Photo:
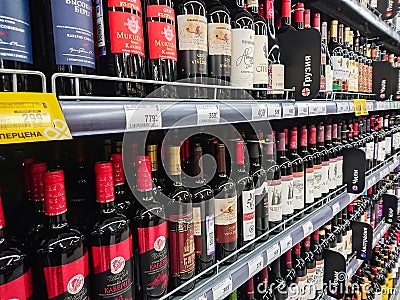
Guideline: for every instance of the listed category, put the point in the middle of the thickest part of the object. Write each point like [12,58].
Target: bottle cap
[240,152]
[104,182]
[54,193]
[36,180]
[321,133]
[299,13]
[118,168]
[144,179]
[303,137]
[281,141]
[317,21]
[286,8]
[293,139]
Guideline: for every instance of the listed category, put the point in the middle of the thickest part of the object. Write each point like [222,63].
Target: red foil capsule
[144,179]
[104,182]
[54,193]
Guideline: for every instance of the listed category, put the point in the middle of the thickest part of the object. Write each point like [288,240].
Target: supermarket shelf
[356,15]
[234,275]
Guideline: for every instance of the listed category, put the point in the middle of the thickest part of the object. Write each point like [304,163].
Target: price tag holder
[342,107]
[31,117]
[321,108]
[313,109]
[308,228]
[208,114]
[351,107]
[335,209]
[370,106]
[259,112]
[370,182]
[302,109]
[285,244]
[142,117]
[350,273]
[274,110]
[273,253]
[288,110]
[222,289]
[255,265]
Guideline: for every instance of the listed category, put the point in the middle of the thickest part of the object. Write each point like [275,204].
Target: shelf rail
[14,77]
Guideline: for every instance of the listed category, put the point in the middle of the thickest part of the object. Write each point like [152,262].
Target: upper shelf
[357,16]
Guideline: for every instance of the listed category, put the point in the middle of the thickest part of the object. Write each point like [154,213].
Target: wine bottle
[286,18]
[299,16]
[262,289]
[308,255]
[336,54]
[336,140]
[61,251]
[301,271]
[343,39]
[150,230]
[123,197]
[110,239]
[120,43]
[325,159]
[322,72]
[332,173]
[289,274]
[307,18]
[308,169]
[203,216]
[277,283]
[317,160]
[318,251]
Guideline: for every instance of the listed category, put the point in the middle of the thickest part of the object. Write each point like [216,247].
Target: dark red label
[303,137]
[153,259]
[20,288]
[126,33]
[161,11]
[131,4]
[69,280]
[55,202]
[118,168]
[162,41]
[113,270]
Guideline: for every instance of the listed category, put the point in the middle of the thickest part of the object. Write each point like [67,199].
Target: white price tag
[386,105]
[273,253]
[350,273]
[207,114]
[370,182]
[255,265]
[285,244]
[274,110]
[370,106]
[313,108]
[335,209]
[202,297]
[259,112]
[321,108]
[342,107]
[351,107]
[380,106]
[288,110]
[382,173]
[140,117]
[222,289]
[302,109]
[308,228]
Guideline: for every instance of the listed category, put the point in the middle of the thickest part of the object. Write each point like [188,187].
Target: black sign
[362,239]
[384,80]
[390,206]
[388,8]
[301,55]
[335,275]
[354,170]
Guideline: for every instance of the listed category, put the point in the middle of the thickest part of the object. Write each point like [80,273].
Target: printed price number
[308,228]
[288,110]
[273,253]
[207,114]
[274,110]
[259,112]
[222,289]
[24,115]
[143,117]
[255,265]
[335,209]
[302,109]
[286,243]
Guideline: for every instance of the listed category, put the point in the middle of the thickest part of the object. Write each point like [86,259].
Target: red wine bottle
[318,251]
[325,159]
[307,18]
[301,271]
[311,266]
[151,236]
[332,177]
[289,273]
[120,44]
[317,158]
[15,270]
[61,252]
[262,289]
[123,196]
[110,238]
[277,282]
[308,168]
[336,140]
[286,17]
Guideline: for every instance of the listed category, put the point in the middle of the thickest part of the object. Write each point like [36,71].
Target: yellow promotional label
[360,107]
[31,117]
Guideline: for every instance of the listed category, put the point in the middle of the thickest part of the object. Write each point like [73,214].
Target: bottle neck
[58,220]
[107,207]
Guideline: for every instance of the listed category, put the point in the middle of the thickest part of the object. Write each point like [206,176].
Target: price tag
[370,182]
[351,107]
[222,289]
[273,253]
[321,108]
[370,106]
[302,109]
[342,107]
[274,110]
[382,173]
[207,114]
[335,209]
[255,265]
[202,297]
[313,108]
[140,117]
[288,110]
[350,273]
[259,112]
[308,228]
[380,106]
[285,244]
[31,117]
[360,107]
[386,105]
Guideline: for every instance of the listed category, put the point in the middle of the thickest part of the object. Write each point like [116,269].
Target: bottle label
[73,33]
[319,278]
[298,190]
[275,201]
[310,289]
[301,286]
[329,78]
[369,151]
[242,57]
[332,173]
[161,35]
[376,148]
[210,234]
[325,177]
[260,59]
[381,151]
[322,85]
[388,146]
[19,288]
[337,72]
[209,228]
[339,167]
[277,78]
[69,280]
[15,31]
[226,220]
[181,246]
[249,215]
[219,49]
[317,181]
[309,185]
[153,258]
[287,195]
[197,221]
[192,32]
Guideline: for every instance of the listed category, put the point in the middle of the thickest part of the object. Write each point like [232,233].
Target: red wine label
[113,270]
[325,177]
[130,4]
[162,41]
[20,288]
[69,281]
[160,11]
[317,181]
[226,220]
[126,33]
[309,185]
[153,259]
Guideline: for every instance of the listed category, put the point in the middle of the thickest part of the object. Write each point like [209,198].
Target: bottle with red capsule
[123,196]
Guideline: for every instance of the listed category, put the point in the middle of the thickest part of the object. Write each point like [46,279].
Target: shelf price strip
[288,110]
[308,228]
[259,112]
[274,110]
[222,289]
[255,265]
[208,114]
[142,117]
[285,244]
[273,253]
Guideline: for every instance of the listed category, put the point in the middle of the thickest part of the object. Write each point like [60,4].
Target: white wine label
[329,78]
[275,203]
[310,290]
[242,57]
[287,195]
[249,215]
[225,211]
[325,178]
[298,190]
[369,151]
[317,181]
[309,186]
[381,151]
[192,32]
[339,171]
[332,174]
[197,220]
[260,59]
[210,231]
[219,39]
[319,278]
[278,79]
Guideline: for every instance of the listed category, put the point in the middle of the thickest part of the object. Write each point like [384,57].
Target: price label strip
[308,228]
[285,244]
[31,117]
[222,289]
[321,108]
[142,117]
[342,107]
[273,253]
[274,110]
[255,265]
[302,109]
[335,209]
[313,108]
[259,112]
[288,110]
[208,114]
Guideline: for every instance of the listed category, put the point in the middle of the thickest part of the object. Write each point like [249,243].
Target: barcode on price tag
[308,228]
[255,265]
[274,110]
[302,109]
[285,244]
[335,209]
[273,253]
[140,117]
[259,112]
[207,114]
[313,108]
[288,110]
[222,289]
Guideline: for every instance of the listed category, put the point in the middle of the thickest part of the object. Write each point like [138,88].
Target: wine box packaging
[383,81]
[335,273]
[362,240]
[354,162]
[390,208]
[301,55]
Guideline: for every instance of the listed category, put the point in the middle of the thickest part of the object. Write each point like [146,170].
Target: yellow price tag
[360,107]
[31,117]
